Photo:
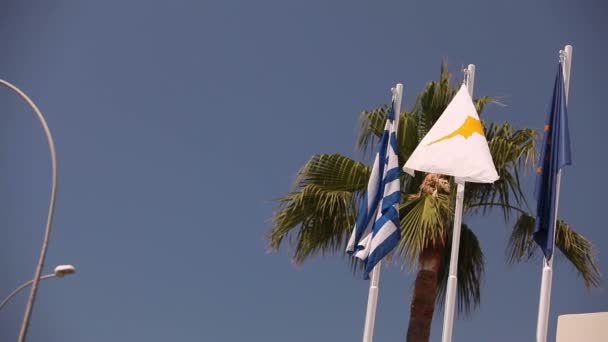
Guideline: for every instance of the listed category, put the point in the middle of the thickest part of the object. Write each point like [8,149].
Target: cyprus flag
[455,145]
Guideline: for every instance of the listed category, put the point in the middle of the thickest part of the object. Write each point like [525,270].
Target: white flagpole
[542,324]
[372,297]
[450,298]
[372,302]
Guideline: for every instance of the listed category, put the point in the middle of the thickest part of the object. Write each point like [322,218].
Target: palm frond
[407,136]
[323,218]
[423,220]
[579,251]
[575,247]
[334,172]
[513,151]
[470,271]
[521,245]
[372,128]
[482,102]
[433,100]
[321,208]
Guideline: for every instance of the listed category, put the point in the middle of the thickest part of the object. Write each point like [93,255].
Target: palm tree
[318,215]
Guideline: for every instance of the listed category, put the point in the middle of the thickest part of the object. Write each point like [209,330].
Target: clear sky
[178,123]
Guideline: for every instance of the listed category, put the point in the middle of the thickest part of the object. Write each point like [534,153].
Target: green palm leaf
[324,218]
[423,223]
[482,102]
[470,271]
[512,150]
[372,128]
[575,247]
[321,208]
[433,100]
[334,172]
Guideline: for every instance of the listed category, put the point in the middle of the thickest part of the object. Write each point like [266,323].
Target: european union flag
[555,154]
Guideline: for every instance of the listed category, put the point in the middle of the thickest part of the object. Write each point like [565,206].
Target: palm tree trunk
[425,294]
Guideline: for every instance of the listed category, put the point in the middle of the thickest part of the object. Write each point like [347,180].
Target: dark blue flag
[555,154]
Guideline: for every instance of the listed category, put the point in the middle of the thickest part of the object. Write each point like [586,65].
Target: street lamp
[47,232]
[60,272]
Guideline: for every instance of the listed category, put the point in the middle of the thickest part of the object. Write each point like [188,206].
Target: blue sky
[178,123]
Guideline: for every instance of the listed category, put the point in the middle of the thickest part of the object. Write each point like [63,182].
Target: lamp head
[63,270]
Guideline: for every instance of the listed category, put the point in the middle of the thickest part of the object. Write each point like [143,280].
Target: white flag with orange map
[456,145]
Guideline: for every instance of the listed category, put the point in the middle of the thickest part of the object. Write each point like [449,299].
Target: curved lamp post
[49,222]
[59,272]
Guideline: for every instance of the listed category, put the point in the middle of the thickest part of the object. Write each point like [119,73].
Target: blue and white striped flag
[377,230]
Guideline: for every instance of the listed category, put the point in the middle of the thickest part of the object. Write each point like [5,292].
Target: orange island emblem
[470,126]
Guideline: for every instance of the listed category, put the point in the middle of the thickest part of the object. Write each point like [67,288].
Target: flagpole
[542,324]
[450,298]
[372,302]
[372,297]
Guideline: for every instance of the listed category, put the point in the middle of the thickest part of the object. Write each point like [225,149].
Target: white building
[589,327]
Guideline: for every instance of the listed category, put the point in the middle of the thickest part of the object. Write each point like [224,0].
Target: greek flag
[377,230]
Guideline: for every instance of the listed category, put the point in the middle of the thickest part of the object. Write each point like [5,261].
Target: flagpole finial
[465,76]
